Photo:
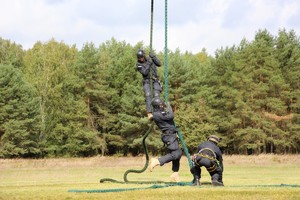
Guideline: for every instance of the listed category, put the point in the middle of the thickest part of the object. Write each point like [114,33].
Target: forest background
[60,101]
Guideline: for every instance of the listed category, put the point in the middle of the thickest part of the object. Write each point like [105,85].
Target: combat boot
[217,183]
[175,177]
[153,163]
[196,182]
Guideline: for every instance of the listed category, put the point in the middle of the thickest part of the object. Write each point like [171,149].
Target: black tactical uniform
[165,121]
[210,156]
[144,64]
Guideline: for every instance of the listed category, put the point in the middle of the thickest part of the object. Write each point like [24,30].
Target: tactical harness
[204,153]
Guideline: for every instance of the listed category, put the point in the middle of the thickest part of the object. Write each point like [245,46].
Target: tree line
[60,101]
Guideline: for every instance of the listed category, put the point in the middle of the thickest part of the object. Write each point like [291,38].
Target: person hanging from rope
[210,156]
[144,65]
[164,119]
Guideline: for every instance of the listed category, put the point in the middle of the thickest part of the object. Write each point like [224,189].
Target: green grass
[245,177]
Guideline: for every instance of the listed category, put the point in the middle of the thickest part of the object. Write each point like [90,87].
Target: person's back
[211,145]
[209,155]
[164,119]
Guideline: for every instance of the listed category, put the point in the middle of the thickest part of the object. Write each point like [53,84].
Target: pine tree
[187,95]
[288,54]
[11,53]
[91,69]
[49,67]
[263,90]
[19,115]
[126,101]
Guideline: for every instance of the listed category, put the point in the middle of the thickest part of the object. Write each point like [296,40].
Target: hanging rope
[166,100]
[166,53]
[152,123]
[151,24]
[151,126]
[166,72]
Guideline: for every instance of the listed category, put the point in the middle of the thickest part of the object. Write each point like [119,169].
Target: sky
[192,24]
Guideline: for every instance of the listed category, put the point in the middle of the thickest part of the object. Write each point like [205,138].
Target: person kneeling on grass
[210,156]
[164,119]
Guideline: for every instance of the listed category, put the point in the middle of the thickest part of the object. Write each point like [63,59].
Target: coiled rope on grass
[133,170]
[148,131]
[155,186]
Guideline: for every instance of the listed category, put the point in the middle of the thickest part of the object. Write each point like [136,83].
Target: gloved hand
[194,157]
[151,55]
[139,67]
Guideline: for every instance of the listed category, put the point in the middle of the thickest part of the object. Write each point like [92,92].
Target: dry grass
[257,160]
[262,159]
[52,178]
[73,162]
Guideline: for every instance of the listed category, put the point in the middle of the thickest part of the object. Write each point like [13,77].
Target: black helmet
[140,53]
[157,103]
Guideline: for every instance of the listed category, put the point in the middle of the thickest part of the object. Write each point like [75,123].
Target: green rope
[132,189]
[181,184]
[151,24]
[152,124]
[151,89]
[166,52]
[166,72]
[132,170]
[185,149]
[150,128]
[147,156]
[151,38]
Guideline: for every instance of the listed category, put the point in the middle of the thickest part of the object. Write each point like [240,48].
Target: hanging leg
[148,99]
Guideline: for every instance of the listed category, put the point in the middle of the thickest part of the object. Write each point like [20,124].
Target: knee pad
[156,93]
[147,94]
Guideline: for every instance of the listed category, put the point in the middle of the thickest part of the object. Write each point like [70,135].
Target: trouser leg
[157,89]
[148,97]
[216,177]
[175,165]
[196,171]
[171,156]
[220,177]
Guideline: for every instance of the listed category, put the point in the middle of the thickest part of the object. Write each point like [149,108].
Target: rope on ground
[131,189]
[178,184]
[147,156]
[133,170]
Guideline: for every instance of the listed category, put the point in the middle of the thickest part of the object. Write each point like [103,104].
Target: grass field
[245,177]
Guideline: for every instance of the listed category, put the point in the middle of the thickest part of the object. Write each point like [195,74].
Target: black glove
[139,67]
[151,55]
